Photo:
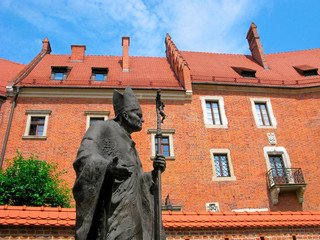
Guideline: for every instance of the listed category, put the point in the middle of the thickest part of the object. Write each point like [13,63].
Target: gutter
[9,125]
[252,85]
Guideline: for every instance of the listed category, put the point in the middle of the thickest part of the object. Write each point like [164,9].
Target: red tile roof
[8,71]
[145,72]
[11,215]
[217,68]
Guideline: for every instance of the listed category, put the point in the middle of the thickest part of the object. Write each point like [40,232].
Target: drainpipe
[9,126]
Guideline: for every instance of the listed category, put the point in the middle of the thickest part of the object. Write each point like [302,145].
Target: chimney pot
[46,46]
[125,54]
[77,53]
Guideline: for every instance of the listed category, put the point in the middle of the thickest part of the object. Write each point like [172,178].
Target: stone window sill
[34,137]
[232,178]
[170,158]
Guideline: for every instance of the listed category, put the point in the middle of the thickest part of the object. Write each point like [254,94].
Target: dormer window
[99,74]
[59,73]
[306,70]
[245,72]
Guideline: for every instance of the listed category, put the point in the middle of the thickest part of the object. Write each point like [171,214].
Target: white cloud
[202,25]
[213,26]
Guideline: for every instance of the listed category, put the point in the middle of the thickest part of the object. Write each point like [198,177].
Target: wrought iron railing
[282,176]
[310,81]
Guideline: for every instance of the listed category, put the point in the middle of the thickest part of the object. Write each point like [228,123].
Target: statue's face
[134,119]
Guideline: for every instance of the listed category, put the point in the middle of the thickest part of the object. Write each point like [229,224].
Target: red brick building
[242,132]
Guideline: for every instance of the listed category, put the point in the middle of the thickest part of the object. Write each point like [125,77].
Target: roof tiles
[217,68]
[145,72]
[45,216]
[8,71]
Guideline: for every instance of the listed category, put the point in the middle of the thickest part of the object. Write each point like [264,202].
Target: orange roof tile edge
[40,216]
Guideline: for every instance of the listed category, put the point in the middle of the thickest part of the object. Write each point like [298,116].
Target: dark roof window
[307,70]
[245,72]
[99,74]
[59,73]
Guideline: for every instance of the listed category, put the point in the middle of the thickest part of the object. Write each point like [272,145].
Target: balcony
[285,180]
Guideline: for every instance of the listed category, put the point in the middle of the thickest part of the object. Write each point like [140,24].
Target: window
[37,126]
[165,147]
[262,113]
[245,72]
[213,112]
[59,73]
[277,159]
[166,143]
[37,123]
[306,70]
[96,119]
[99,74]
[94,116]
[278,168]
[221,165]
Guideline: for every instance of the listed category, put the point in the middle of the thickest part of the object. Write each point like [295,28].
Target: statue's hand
[159,163]
[119,172]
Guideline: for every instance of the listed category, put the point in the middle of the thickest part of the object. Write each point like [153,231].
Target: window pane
[99,76]
[265,115]
[217,166]
[37,120]
[58,75]
[259,114]
[225,167]
[216,116]
[165,140]
[33,130]
[95,119]
[209,113]
[40,130]
[166,152]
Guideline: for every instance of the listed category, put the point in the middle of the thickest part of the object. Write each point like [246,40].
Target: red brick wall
[188,179]
[283,233]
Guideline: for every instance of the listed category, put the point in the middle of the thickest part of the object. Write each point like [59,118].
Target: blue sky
[194,25]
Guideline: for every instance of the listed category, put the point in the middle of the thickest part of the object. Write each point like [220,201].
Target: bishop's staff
[158,215]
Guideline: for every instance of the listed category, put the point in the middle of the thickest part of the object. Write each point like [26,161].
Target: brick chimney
[46,46]
[125,54]
[77,53]
[256,46]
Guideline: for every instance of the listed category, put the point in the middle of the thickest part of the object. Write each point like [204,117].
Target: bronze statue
[114,198]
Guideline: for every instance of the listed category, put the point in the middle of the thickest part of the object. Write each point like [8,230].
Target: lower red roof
[45,216]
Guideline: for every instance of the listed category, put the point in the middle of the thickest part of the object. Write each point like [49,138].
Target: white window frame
[224,121]
[165,133]
[272,119]
[36,113]
[214,176]
[92,114]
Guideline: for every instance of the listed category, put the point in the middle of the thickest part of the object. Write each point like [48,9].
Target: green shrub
[31,182]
